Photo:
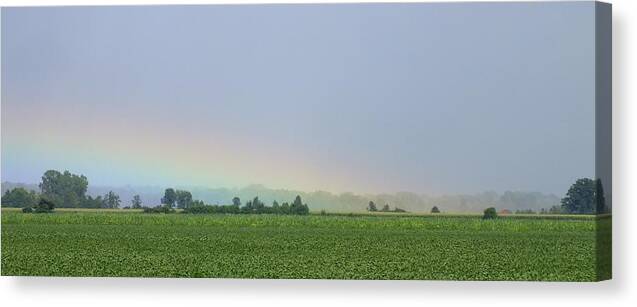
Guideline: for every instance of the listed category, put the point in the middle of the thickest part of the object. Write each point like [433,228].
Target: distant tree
[90,202]
[298,207]
[371,207]
[275,207]
[285,208]
[257,205]
[396,209]
[136,202]
[581,197]
[64,189]
[183,199]
[490,213]
[170,197]
[247,208]
[19,198]
[111,200]
[44,206]
[385,208]
[196,203]
[435,209]
[525,211]
[236,201]
[600,200]
[555,210]
[27,210]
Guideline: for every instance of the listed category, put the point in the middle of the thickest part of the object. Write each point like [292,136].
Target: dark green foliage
[136,202]
[183,199]
[581,197]
[90,202]
[489,213]
[399,210]
[371,207]
[27,210]
[319,247]
[385,208]
[435,209]
[298,207]
[254,206]
[44,206]
[236,201]
[525,211]
[65,189]
[170,197]
[600,200]
[19,198]
[111,200]
[159,209]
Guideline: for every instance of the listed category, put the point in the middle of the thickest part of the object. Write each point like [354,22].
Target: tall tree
[64,189]
[580,198]
[236,201]
[136,202]
[111,200]
[371,207]
[183,199]
[170,197]
[385,208]
[19,198]
[298,207]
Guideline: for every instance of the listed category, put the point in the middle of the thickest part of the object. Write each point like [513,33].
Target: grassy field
[386,246]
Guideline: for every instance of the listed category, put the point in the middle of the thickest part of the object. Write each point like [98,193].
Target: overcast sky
[428,98]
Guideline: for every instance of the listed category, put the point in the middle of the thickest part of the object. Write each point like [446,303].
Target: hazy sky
[431,98]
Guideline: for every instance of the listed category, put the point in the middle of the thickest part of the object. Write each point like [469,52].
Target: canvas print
[418,141]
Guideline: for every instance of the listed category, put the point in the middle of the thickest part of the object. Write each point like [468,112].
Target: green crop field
[460,247]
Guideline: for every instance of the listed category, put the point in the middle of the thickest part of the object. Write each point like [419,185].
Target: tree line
[67,190]
[61,190]
[182,199]
[371,207]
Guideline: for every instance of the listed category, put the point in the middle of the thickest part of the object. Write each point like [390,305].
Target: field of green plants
[121,243]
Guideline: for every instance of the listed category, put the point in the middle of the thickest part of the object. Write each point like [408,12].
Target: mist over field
[344,202]
[366,98]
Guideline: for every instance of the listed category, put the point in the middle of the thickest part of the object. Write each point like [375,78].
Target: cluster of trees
[371,207]
[254,206]
[585,196]
[177,198]
[489,213]
[63,190]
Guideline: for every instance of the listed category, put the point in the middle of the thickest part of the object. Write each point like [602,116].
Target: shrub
[489,213]
[435,209]
[27,210]
[159,209]
[44,206]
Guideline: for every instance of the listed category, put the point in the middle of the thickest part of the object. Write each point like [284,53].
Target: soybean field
[440,247]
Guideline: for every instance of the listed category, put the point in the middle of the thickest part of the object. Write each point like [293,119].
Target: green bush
[489,213]
[44,206]
[159,209]
[27,210]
